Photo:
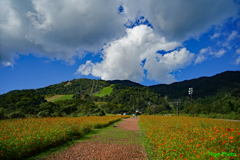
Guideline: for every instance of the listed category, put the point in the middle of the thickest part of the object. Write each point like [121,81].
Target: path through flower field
[120,141]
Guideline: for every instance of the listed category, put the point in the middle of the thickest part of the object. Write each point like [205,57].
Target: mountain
[226,82]
[125,83]
[216,94]
[222,83]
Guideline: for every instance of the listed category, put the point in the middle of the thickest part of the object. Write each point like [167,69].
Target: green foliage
[210,105]
[2,113]
[17,114]
[105,91]
[64,97]
[220,84]
[44,113]
[76,86]
[219,94]
[26,101]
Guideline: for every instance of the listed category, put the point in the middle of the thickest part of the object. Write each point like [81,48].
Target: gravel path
[108,148]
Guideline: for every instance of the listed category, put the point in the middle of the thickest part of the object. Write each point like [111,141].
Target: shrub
[17,114]
[44,113]
[2,113]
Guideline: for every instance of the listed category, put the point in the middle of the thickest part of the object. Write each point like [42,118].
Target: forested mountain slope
[216,94]
[226,82]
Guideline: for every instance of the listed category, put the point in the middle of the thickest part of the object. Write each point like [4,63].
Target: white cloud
[64,29]
[230,38]
[216,35]
[238,51]
[181,20]
[220,53]
[238,59]
[205,52]
[122,58]
[60,29]
[200,58]
[177,59]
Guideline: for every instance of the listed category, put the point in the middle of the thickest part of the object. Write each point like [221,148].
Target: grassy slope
[53,97]
[59,97]
[105,91]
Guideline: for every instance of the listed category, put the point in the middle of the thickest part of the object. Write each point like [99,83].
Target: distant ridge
[221,84]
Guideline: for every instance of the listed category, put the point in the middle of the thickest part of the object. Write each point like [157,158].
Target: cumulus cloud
[58,30]
[122,59]
[205,52]
[64,29]
[181,20]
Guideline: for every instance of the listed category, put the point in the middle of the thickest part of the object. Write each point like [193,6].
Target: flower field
[190,138]
[23,137]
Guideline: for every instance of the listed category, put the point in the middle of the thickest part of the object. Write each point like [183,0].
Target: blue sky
[153,42]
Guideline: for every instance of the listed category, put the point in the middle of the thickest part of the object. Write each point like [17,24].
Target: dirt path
[120,142]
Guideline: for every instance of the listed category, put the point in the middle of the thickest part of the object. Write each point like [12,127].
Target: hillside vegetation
[63,97]
[220,84]
[53,97]
[219,94]
[105,91]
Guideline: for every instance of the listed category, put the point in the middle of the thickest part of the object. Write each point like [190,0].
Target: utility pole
[190,91]
[177,101]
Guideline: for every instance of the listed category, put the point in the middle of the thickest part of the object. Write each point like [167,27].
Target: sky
[148,42]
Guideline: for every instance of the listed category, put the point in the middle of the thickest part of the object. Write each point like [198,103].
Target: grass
[145,142]
[59,97]
[115,135]
[53,97]
[105,91]
[63,97]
